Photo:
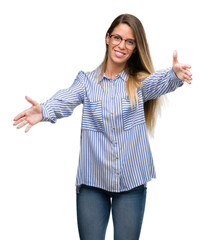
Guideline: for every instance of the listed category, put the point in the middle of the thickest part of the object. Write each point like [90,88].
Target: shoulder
[88,76]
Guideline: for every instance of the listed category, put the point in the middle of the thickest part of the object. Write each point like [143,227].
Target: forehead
[124,31]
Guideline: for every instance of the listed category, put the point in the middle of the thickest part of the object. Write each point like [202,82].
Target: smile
[119,54]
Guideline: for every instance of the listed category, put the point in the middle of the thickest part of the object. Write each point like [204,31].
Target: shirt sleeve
[160,83]
[64,101]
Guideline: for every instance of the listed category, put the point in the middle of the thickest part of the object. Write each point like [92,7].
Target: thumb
[31,101]
[175,57]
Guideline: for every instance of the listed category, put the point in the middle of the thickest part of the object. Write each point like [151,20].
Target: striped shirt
[115,154]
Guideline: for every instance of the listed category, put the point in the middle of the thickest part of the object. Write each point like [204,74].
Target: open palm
[31,116]
[181,70]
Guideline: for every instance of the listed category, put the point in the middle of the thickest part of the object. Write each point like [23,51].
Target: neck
[112,69]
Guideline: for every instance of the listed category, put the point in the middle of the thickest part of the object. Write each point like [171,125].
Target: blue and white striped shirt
[115,154]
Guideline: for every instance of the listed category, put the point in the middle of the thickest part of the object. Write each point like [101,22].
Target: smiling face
[119,54]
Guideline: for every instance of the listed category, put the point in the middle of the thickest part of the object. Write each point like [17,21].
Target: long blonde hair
[138,67]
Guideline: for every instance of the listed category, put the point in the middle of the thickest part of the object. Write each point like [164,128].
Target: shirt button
[113,84]
[117,173]
[112,98]
[46,119]
[113,128]
[117,158]
[117,76]
[112,113]
[115,142]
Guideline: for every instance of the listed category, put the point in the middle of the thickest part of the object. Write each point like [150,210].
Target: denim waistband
[79,186]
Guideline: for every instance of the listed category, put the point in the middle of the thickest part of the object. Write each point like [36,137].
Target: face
[119,54]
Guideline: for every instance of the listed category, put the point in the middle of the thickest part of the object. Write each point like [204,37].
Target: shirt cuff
[45,113]
[174,76]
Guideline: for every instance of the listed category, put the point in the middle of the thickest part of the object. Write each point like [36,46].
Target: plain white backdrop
[43,45]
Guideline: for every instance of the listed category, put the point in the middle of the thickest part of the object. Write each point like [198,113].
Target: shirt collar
[122,75]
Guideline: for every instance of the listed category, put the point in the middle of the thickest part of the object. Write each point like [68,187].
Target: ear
[107,39]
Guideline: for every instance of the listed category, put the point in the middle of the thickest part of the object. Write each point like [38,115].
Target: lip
[119,52]
[116,52]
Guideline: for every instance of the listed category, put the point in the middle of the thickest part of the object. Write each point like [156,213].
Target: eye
[117,37]
[131,42]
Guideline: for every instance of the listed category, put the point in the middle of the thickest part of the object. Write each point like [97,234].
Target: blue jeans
[93,211]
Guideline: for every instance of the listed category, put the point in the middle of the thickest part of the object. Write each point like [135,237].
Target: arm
[159,83]
[60,105]
[165,81]
[64,101]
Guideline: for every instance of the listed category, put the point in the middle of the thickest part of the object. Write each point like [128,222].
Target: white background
[43,45]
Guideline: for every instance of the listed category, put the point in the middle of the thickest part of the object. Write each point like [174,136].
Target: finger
[27,128]
[188,75]
[22,124]
[20,115]
[187,72]
[31,100]
[175,57]
[186,80]
[185,66]
[189,82]
[185,76]
[20,120]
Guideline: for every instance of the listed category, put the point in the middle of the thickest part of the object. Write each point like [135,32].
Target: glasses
[129,43]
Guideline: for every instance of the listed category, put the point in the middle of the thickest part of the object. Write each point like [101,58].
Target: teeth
[120,54]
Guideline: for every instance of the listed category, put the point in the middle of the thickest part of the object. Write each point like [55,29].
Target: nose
[122,44]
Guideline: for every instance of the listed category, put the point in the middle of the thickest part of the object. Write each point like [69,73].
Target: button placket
[112,104]
[114,136]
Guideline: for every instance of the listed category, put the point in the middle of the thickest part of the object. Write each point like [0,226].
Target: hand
[181,70]
[31,116]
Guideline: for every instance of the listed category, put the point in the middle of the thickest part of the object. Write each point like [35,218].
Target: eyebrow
[122,37]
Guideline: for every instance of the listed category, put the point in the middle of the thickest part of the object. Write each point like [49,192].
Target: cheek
[129,54]
[110,48]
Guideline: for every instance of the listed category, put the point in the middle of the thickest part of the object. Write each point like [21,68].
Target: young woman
[120,99]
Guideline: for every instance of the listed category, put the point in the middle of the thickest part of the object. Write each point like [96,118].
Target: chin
[120,61]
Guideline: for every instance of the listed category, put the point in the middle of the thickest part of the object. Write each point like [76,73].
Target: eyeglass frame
[111,35]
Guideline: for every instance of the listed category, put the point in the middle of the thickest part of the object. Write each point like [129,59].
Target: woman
[120,99]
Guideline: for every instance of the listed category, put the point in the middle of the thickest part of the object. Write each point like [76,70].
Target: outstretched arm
[64,101]
[167,80]
[60,105]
